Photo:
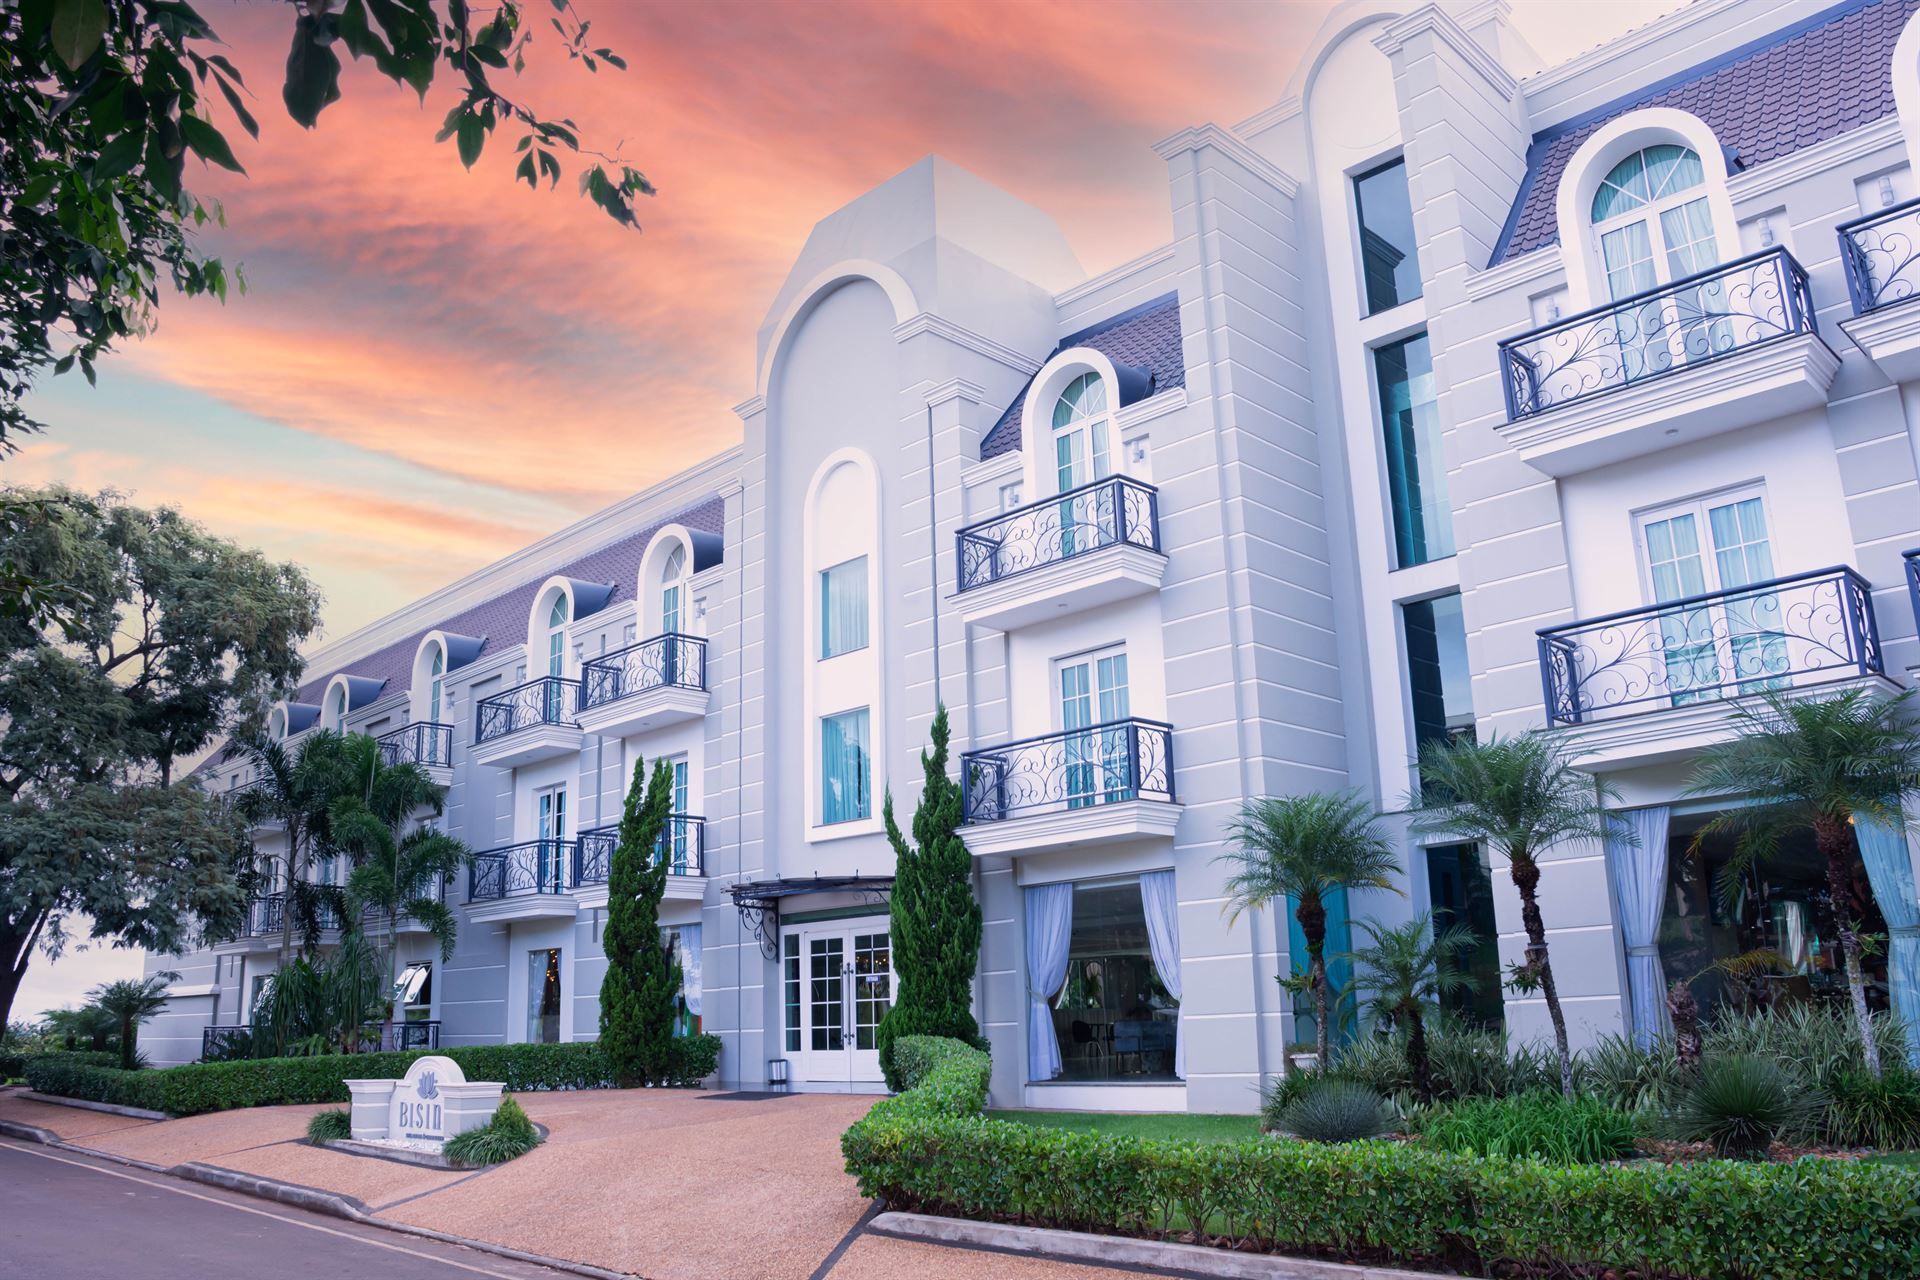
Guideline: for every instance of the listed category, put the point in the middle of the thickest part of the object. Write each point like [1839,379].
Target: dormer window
[339,717]
[436,684]
[673,592]
[1081,418]
[557,636]
[1653,220]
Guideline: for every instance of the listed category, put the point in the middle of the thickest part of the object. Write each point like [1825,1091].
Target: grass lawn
[1199,1128]
[1905,1159]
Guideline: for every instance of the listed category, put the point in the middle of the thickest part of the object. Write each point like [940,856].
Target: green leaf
[78,27]
[524,171]
[313,73]
[208,143]
[118,157]
[240,111]
[472,137]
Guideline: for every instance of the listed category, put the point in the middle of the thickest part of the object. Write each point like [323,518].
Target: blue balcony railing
[668,661]
[682,843]
[536,866]
[231,1043]
[1106,513]
[1881,253]
[1783,633]
[1683,325]
[423,743]
[1106,763]
[547,700]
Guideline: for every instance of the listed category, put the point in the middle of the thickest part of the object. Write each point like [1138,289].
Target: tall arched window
[339,706]
[277,724]
[1080,433]
[1652,219]
[436,680]
[557,636]
[673,593]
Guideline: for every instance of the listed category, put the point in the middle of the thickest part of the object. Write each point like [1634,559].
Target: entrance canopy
[758,901]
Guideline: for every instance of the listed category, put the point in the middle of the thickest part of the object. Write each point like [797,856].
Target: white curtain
[1889,862]
[1637,865]
[1163,938]
[690,966]
[843,608]
[1049,932]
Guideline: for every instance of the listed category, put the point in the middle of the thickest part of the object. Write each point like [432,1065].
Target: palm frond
[1305,847]
[1518,795]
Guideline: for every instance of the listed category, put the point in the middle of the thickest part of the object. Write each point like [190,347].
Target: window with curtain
[843,608]
[845,785]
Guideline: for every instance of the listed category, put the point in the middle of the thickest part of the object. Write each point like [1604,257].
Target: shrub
[1282,1093]
[329,1126]
[266,1082]
[1387,1203]
[1865,1112]
[12,1066]
[1467,1062]
[1741,1104]
[1815,1042]
[508,1134]
[1336,1110]
[1629,1078]
[1543,1126]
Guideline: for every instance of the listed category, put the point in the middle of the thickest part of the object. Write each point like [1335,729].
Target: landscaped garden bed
[1386,1200]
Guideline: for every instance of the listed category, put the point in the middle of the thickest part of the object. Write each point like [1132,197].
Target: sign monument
[433,1102]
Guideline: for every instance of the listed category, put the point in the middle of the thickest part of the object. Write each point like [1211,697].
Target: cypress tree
[935,920]
[643,975]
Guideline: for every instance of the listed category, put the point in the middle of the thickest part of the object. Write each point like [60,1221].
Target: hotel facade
[1469,397]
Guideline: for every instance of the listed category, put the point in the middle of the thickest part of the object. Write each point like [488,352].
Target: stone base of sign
[432,1103]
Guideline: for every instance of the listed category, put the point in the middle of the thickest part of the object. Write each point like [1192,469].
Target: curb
[29,1133]
[111,1108]
[1124,1251]
[290,1193]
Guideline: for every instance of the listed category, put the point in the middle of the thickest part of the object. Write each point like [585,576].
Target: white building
[1468,396]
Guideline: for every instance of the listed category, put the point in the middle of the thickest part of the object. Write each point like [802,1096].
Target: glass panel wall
[1416,467]
[1115,1017]
[1389,264]
[1460,892]
[1437,674]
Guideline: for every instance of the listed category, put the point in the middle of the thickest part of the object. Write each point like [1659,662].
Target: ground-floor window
[543,996]
[1113,1009]
[1782,904]
[1460,892]
[685,941]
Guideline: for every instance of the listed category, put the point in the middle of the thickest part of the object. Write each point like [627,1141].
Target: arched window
[436,680]
[1652,220]
[673,589]
[557,636]
[1080,433]
[339,706]
[277,724]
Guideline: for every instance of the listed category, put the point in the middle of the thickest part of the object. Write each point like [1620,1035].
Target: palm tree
[1305,847]
[1815,764]
[297,789]
[1519,796]
[1408,967]
[396,871]
[130,1003]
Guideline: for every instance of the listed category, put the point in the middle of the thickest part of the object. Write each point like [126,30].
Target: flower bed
[265,1082]
[930,1149]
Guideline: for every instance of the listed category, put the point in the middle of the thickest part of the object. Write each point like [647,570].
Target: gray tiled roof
[1144,337]
[502,620]
[1802,85]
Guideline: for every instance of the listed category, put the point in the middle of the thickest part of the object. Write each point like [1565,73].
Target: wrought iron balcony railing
[1785,632]
[266,913]
[537,866]
[682,844]
[1074,769]
[1106,513]
[224,1044]
[671,660]
[1881,253]
[1912,561]
[423,743]
[546,700]
[1683,325]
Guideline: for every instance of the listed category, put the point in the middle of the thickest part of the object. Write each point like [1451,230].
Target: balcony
[527,723]
[644,686]
[265,914]
[1881,253]
[1725,349]
[523,881]
[1078,788]
[682,844]
[1650,684]
[1082,549]
[424,743]
[374,920]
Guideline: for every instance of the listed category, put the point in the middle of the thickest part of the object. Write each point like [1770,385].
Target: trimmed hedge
[265,1082]
[12,1066]
[930,1149]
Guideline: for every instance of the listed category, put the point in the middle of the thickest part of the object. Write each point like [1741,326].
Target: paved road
[71,1217]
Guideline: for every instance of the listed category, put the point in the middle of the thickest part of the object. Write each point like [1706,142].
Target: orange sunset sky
[433,367]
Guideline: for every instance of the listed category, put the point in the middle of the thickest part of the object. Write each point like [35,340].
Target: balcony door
[550,854]
[1081,436]
[1093,693]
[674,839]
[837,983]
[1713,545]
[1654,226]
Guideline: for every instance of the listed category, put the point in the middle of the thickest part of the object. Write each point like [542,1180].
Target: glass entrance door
[838,983]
